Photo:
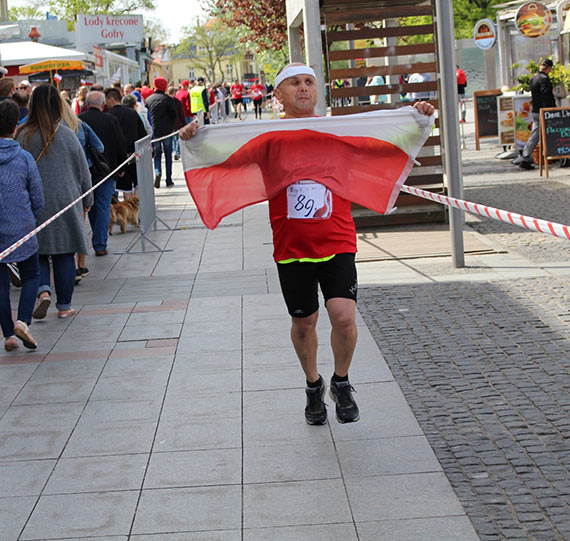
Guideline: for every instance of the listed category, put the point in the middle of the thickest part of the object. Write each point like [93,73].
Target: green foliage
[207,44]
[31,10]
[154,29]
[559,76]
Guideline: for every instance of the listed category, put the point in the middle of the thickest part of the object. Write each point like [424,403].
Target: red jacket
[461,77]
[184,96]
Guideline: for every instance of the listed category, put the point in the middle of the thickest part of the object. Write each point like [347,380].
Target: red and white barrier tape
[35,231]
[527,222]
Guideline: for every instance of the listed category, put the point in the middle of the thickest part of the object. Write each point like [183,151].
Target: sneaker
[346,408]
[157,180]
[83,271]
[14,274]
[462,121]
[526,165]
[176,157]
[316,409]
[77,276]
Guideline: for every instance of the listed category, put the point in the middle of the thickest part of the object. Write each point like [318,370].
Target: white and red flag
[364,158]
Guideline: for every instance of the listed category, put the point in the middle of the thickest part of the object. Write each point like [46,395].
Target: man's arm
[188,131]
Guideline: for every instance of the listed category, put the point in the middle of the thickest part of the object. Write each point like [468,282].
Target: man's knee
[342,314]
[304,326]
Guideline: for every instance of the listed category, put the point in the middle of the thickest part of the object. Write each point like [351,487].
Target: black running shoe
[346,408]
[316,410]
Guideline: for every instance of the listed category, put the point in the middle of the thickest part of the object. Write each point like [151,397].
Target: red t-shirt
[257,91]
[461,77]
[315,239]
[237,91]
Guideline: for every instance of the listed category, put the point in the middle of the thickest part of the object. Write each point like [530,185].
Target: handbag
[99,166]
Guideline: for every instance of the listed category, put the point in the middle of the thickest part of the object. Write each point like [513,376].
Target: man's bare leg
[305,342]
[344,333]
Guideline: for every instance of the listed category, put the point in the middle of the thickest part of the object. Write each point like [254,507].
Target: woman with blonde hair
[87,137]
[65,177]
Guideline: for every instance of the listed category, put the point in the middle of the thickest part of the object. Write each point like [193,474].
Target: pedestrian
[128,89]
[109,131]
[163,117]
[65,177]
[237,98]
[200,99]
[87,138]
[180,121]
[257,92]
[377,80]
[79,104]
[461,84]
[312,251]
[130,100]
[184,96]
[26,87]
[133,130]
[21,99]
[6,88]
[21,199]
[542,96]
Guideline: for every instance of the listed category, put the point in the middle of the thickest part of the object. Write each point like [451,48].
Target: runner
[315,249]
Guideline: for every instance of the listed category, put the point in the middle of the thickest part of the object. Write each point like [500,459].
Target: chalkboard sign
[485,107]
[554,134]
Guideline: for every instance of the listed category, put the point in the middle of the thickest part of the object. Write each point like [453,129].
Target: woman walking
[65,177]
[21,198]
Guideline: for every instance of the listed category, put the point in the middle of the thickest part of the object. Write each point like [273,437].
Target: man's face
[298,95]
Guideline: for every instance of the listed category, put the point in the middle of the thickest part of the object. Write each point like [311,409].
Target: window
[191,74]
[229,70]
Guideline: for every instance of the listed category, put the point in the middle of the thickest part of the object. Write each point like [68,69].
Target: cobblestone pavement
[485,365]
[486,375]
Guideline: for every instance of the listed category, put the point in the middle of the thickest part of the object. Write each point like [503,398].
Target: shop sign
[98,54]
[522,107]
[97,29]
[533,19]
[484,34]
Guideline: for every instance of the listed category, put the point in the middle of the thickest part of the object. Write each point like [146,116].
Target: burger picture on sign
[533,19]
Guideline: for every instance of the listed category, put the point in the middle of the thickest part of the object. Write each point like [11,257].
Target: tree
[30,11]
[263,22]
[154,29]
[206,45]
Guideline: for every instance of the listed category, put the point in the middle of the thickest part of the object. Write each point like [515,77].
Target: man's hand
[189,131]
[424,108]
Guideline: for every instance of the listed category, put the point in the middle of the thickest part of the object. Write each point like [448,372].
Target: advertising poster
[522,107]
[505,120]
[533,19]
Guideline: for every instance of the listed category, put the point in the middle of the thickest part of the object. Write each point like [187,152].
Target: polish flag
[364,158]
[57,77]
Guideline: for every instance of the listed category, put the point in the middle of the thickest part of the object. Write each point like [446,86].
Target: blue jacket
[21,199]
[94,141]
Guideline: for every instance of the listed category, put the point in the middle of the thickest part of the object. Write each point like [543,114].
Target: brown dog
[123,213]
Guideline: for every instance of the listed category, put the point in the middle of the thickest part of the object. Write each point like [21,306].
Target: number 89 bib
[308,200]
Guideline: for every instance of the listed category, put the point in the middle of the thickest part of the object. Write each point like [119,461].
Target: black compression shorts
[300,281]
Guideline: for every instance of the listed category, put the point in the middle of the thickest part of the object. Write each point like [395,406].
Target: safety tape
[526,222]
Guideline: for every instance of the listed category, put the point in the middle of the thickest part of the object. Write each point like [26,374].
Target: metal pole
[450,124]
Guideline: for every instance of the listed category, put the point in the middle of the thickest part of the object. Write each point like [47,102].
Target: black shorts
[300,281]
[235,101]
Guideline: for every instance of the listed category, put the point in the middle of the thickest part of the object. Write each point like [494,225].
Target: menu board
[554,134]
[505,121]
[522,106]
[485,107]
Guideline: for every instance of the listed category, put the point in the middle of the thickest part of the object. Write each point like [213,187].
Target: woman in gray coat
[65,177]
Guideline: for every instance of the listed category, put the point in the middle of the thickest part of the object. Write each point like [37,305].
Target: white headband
[293,70]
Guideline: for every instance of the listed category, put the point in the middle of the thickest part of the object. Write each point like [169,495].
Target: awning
[51,65]
[16,53]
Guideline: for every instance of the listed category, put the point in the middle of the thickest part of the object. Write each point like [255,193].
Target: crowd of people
[54,147]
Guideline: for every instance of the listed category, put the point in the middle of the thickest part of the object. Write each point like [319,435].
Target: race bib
[308,200]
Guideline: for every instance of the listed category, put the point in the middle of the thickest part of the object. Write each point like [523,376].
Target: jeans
[63,278]
[533,139]
[176,145]
[165,144]
[30,275]
[100,214]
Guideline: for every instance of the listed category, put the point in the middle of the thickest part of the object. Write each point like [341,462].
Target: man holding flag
[314,240]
